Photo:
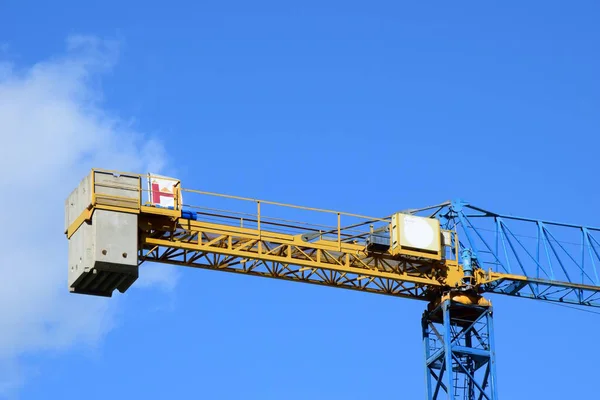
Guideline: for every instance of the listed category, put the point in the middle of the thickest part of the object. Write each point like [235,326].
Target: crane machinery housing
[448,255]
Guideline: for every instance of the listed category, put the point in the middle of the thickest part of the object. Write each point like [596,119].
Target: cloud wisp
[54,129]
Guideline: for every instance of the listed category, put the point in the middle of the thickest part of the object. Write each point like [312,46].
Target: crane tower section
[449,255]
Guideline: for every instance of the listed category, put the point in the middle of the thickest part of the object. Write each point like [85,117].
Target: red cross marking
[157,194]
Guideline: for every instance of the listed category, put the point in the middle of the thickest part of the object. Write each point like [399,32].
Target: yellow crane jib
[115,221]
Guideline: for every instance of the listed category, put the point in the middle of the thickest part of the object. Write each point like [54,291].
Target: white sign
[162,190]
[417,233]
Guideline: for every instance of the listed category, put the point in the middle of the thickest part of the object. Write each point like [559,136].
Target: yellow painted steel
[275,203]
[250,244]
[244,243]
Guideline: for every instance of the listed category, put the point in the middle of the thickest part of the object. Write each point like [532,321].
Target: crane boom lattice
[448,255]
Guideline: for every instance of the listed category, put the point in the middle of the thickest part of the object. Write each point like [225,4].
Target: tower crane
[449,255]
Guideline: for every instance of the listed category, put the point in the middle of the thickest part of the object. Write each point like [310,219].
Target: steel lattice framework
[559,261]
[482,252]
[274,255]
[461,336]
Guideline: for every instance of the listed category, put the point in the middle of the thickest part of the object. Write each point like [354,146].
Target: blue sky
[363,107]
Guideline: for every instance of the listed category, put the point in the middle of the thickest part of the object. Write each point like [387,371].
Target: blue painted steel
[467,262]
[459,336]
[187,214]
[426,349]
[492,364]
[559,260]
[447,350]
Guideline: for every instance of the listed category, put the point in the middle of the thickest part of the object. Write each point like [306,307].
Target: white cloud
[157,275]
[52,130]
